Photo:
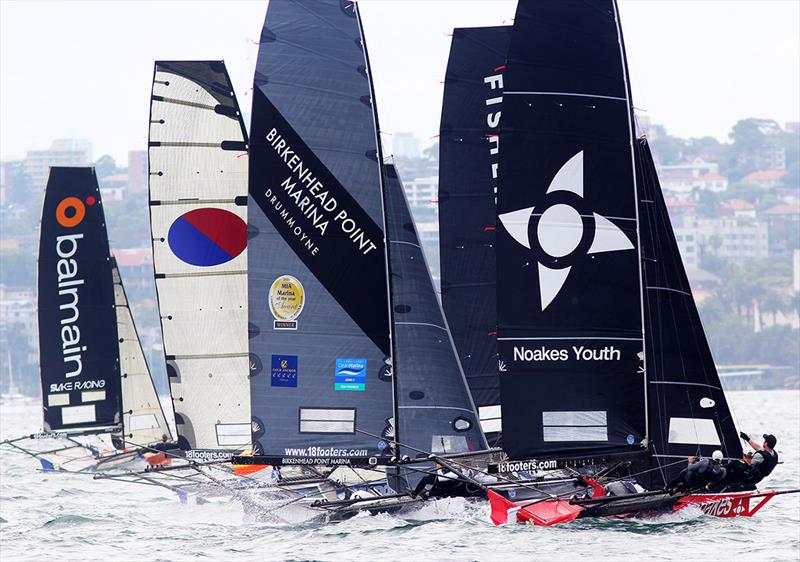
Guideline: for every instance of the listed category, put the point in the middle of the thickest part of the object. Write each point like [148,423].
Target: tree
[667,149]
[432,152]
[105,166]
[749,136]
[707,202]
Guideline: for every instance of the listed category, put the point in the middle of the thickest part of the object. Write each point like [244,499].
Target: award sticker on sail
[286,300]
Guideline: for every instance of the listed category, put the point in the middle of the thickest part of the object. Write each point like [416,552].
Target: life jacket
[765,467]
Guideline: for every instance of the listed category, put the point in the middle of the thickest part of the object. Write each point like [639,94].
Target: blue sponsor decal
[382,445]
[284,370]
[631,439]
[351,374]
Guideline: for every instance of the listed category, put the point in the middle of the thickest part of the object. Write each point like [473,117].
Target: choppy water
[72,517]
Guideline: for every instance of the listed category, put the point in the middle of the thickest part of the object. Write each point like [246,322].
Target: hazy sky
[83,69]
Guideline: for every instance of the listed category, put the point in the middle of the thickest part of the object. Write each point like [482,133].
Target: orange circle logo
[76,210]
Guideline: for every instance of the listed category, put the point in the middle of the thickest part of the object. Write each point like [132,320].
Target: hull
[548,512]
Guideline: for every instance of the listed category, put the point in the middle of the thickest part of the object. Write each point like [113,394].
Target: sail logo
[561,229]
[286,301]
[284,371]
[495,82]
[70,212]
[351,374]
[207,237]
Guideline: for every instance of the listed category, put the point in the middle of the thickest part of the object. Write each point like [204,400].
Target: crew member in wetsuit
[701,472]
[753,468]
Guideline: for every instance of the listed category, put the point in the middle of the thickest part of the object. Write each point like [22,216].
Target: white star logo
[561,229]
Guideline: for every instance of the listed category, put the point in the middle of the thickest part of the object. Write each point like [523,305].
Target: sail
[435,410]
[78,352]
[568,269]
[687,408]
[198,214]
[319,311]
[143,419]
[469,147]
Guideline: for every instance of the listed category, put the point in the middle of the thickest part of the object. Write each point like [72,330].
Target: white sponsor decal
[68,283]
[312,199]
[578,353]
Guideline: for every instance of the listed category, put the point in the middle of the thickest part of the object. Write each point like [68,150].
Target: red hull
[545,513]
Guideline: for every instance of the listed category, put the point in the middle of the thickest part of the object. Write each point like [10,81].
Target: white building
[62,152]
[683,179]
[687,245]
[18,312]
[737,239]
[422,192]
[137,171]
[405,145]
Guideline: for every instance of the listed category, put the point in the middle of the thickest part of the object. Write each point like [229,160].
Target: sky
[82,69]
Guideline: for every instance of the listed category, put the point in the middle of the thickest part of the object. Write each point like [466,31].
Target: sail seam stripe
[208,356]
[157,202]
[403,242]
[183,102]
[436,408]
[162,144]
[572,338]
[658,288]
[209,274]
[566,94]
[421,324]
[687,383]
[591,216]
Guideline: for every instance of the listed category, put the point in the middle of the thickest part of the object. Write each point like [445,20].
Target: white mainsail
[198,212]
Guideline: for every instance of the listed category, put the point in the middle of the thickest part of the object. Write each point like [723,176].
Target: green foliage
[106,166]
[741,190]
[668,149]
[432,152]
[707,202]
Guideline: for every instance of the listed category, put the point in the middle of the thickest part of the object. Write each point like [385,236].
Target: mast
[386,245]
[198,219]
[469,146]
[78,349]
[632,127]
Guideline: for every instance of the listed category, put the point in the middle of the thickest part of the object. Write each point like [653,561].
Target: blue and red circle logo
[207,237]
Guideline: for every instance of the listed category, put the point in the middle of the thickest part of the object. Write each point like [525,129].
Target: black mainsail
[469,145]
[78,349]
[688,412]
[568,270]
[318,293]
[435,410]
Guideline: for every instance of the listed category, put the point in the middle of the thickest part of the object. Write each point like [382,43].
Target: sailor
[700,472]
[164,445]
[754,467]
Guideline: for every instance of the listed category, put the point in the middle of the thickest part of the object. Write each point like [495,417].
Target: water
[72,517]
